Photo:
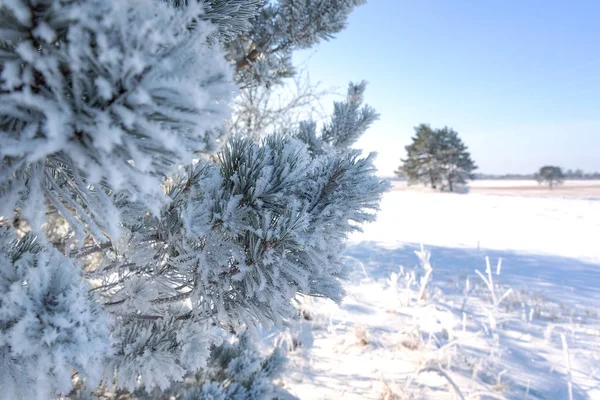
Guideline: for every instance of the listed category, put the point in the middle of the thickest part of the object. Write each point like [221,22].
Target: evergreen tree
[438,158]
[422,164]
[122,241]
[455,160]
[550,175]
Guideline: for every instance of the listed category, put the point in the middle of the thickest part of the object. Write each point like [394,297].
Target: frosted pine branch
[92,94]
[139,233]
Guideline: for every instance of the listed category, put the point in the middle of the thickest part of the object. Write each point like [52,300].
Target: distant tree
[550,175]
[438,158]
[421,164]
[455,160]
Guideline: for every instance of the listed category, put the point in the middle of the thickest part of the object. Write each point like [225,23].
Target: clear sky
[519,80]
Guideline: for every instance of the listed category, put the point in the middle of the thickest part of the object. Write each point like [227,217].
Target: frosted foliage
[313,20]
[263,55]
[98,95]
[208,391]
[133,231]
[156,353]
[232,17]
[239,240]
[238,371]
[350,120]
[49,325]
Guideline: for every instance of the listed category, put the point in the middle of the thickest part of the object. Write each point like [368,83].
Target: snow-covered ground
[487,183]
[405,332]
[516,183]
[589,189]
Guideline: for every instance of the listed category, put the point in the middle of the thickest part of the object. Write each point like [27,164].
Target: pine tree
[123,239]
[422,164]
[455,160]
[438,158]
[550,175]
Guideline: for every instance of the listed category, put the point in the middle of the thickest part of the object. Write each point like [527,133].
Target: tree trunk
[450,185]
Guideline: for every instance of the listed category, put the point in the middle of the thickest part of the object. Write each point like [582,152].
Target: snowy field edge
[438,322]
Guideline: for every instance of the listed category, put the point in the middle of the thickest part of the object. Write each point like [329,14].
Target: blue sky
[519,80]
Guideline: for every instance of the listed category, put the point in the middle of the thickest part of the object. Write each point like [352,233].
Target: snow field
[441,322]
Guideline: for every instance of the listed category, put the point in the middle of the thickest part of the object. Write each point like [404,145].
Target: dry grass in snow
[451,323]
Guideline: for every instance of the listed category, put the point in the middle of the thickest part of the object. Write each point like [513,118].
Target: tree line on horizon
[569,174]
